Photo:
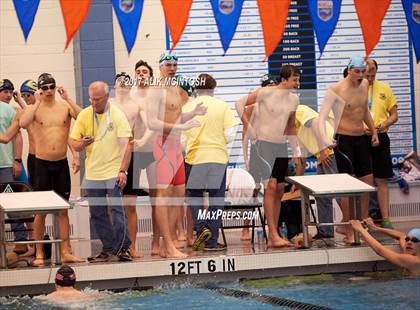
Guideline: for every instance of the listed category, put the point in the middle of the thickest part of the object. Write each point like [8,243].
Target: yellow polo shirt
[103,160]
[383,100]
[207,143]
[306,135]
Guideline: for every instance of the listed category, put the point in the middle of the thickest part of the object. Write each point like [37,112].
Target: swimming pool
[339,292]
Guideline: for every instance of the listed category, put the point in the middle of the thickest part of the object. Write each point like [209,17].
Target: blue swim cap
[29,86]
[415,232]
[167,56]
[356,62]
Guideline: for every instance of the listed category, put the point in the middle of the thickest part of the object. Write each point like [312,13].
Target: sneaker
[386,223]
[103,257]
[217,247]
[200,242]
[124,256]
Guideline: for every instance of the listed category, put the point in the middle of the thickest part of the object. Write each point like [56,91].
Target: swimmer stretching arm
[395,234]
[326,108]
[74,108]
[29,113]
[148,134]
[406,261]
[155,104]
[241,105]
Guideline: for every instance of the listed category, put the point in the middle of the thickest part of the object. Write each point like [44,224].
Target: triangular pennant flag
[226,13]
[412,14]
[324,15]
[26,11]
[74,13]
[371,14]
[176,15]
[128,13]
[273,15]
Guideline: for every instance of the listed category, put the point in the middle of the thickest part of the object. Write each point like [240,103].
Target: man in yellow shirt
[206,162]
[383,108]
[103,131]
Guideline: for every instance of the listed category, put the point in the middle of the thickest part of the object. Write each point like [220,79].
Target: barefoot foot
[69,258]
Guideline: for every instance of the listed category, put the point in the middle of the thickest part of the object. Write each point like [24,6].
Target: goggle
[168,58]
[46,87]
[412,239]
[25,95]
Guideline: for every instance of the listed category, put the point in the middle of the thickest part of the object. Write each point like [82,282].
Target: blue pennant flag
[128,13]
[324,14]
[226,13]
[412,14]
[26,11]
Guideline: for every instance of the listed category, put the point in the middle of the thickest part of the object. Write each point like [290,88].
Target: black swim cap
[65,276]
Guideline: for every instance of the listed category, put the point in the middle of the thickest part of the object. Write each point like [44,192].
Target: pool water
[338,292]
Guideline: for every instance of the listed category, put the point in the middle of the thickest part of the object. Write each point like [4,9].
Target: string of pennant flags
[273,16]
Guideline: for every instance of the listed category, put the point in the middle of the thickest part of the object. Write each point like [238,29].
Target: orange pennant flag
[176,15]
[74,13]
[371,14]
[273,15]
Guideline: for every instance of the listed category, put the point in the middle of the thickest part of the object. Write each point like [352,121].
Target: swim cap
[167,56]
[65,276]
[356,62]
[45,78]
[415,232]
[29,86]
[267,79]
[182,82]
[6,84]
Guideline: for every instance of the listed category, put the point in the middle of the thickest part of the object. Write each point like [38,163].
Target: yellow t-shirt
[383,100]
[305,134]
[103,160]
[207,143]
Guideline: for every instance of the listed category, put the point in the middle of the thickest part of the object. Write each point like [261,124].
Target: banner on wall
[412,14]
[26,11]
[371,15]
[273,15]
[128,14]
[226,14]
[74,13]
[176,16]
[324,15]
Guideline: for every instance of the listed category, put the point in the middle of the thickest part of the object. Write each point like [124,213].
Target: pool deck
[240,261]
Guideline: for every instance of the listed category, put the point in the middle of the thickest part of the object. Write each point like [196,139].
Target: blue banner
[128,13]
[26,11]
[226,13]
[412,14]
[324,14]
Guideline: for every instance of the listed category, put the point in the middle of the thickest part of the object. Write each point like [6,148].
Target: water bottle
[283,231]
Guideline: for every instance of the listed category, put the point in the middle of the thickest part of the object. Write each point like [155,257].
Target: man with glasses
[165,117]
[51,119]
[348,101]
[409,259]
[103,131]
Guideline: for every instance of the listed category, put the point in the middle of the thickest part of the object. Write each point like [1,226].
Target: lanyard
[108,120]
[371,97]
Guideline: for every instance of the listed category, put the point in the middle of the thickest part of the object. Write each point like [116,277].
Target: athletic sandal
[200,242]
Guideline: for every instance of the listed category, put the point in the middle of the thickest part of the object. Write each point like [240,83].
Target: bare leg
[66,255]
[180,224]
[177,195]
[162,219]
[272,211]
[383,197]
[132,219]
[245,232]
[39,228]
[151,179]
[368,179]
